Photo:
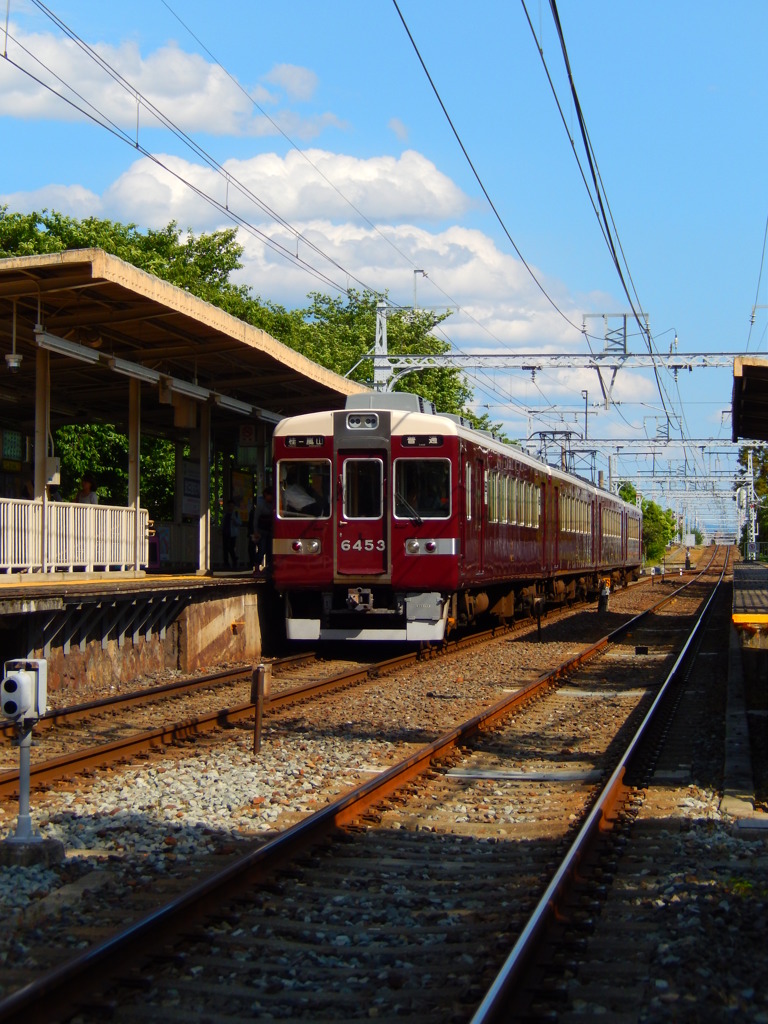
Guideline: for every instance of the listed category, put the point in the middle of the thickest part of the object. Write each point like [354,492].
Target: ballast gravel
[133,827]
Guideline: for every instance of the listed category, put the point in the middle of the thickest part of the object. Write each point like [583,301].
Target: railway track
[401,897]
[69,731]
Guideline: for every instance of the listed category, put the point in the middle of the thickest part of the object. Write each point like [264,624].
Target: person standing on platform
[253,537]
[230,530]
[87,494]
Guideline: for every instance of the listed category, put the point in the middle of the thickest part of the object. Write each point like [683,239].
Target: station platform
[750,601]
[115,627]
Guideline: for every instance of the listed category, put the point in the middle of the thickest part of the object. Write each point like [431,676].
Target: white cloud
[72,200]
[501,306]
[396,125]
[193,93]
[299,83]
[299,187]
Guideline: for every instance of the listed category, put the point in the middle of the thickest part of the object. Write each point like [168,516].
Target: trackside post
[257,699]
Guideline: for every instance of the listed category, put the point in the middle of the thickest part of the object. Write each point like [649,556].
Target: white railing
[75,537]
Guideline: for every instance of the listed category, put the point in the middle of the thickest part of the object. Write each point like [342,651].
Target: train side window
[493,496]
[422,488]
[468,489]
[363,488]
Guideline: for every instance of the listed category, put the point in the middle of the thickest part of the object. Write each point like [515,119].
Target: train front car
[366,535]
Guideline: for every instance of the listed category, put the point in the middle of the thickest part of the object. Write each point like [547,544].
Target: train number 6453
[362,545]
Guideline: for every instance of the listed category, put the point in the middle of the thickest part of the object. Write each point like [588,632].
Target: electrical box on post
[24,688]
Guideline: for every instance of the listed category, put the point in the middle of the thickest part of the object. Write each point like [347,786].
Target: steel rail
[62,716]
[495,1006]
[64,985]
[124,749]
[121,750]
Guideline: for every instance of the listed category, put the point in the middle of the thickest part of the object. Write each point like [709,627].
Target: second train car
[394,522]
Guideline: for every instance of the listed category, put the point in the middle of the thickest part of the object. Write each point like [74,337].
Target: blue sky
[324,113]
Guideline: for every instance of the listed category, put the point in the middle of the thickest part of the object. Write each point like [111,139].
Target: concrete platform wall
[209,633]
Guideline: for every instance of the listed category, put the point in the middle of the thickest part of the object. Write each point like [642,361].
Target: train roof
[411,414]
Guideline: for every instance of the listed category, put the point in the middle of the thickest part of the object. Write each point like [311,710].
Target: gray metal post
[257,699]
[24,831]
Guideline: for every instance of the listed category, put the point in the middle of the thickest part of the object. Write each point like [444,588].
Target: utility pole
[585,396]
[751,511]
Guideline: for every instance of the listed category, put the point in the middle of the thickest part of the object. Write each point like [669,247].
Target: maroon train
[396,523]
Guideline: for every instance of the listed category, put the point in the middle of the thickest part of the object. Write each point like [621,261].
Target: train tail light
[306,546]
[415,546]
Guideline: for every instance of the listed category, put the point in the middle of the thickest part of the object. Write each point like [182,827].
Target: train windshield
[363,488]
[304,489]
[422,488]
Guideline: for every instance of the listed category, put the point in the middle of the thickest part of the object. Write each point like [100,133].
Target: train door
[551,527]
[362,516]
[468,514]
[599,533]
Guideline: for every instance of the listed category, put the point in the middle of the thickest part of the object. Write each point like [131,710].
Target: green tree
[341,335]
[336,332]
[659,525]
[628,492]
[200,263]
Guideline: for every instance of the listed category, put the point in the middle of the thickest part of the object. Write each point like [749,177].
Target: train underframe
[381,613]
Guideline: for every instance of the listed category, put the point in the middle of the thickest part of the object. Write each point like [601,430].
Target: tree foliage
[336,332]
[659,525]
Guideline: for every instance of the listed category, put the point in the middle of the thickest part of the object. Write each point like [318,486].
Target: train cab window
[422,488]
[363,488]
[304,489]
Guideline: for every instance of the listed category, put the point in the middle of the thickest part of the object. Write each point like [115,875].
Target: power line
[99,117]
[142,100]
[759,279]
[485,192]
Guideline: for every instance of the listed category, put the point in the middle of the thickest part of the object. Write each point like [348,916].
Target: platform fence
[38,536]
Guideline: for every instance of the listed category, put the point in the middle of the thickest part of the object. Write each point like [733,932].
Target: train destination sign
[423,441]
[305,442]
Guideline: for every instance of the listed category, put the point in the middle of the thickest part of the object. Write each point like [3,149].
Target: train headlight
[415,546]
[307,546]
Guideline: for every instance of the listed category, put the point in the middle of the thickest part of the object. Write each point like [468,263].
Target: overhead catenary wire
[99,117]
[757,290]
[187,140]
[605,227]
[302,265]
[451,301]
[601,204]
[477,177]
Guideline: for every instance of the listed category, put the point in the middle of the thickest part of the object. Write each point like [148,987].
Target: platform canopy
[749,419]
[103,321]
